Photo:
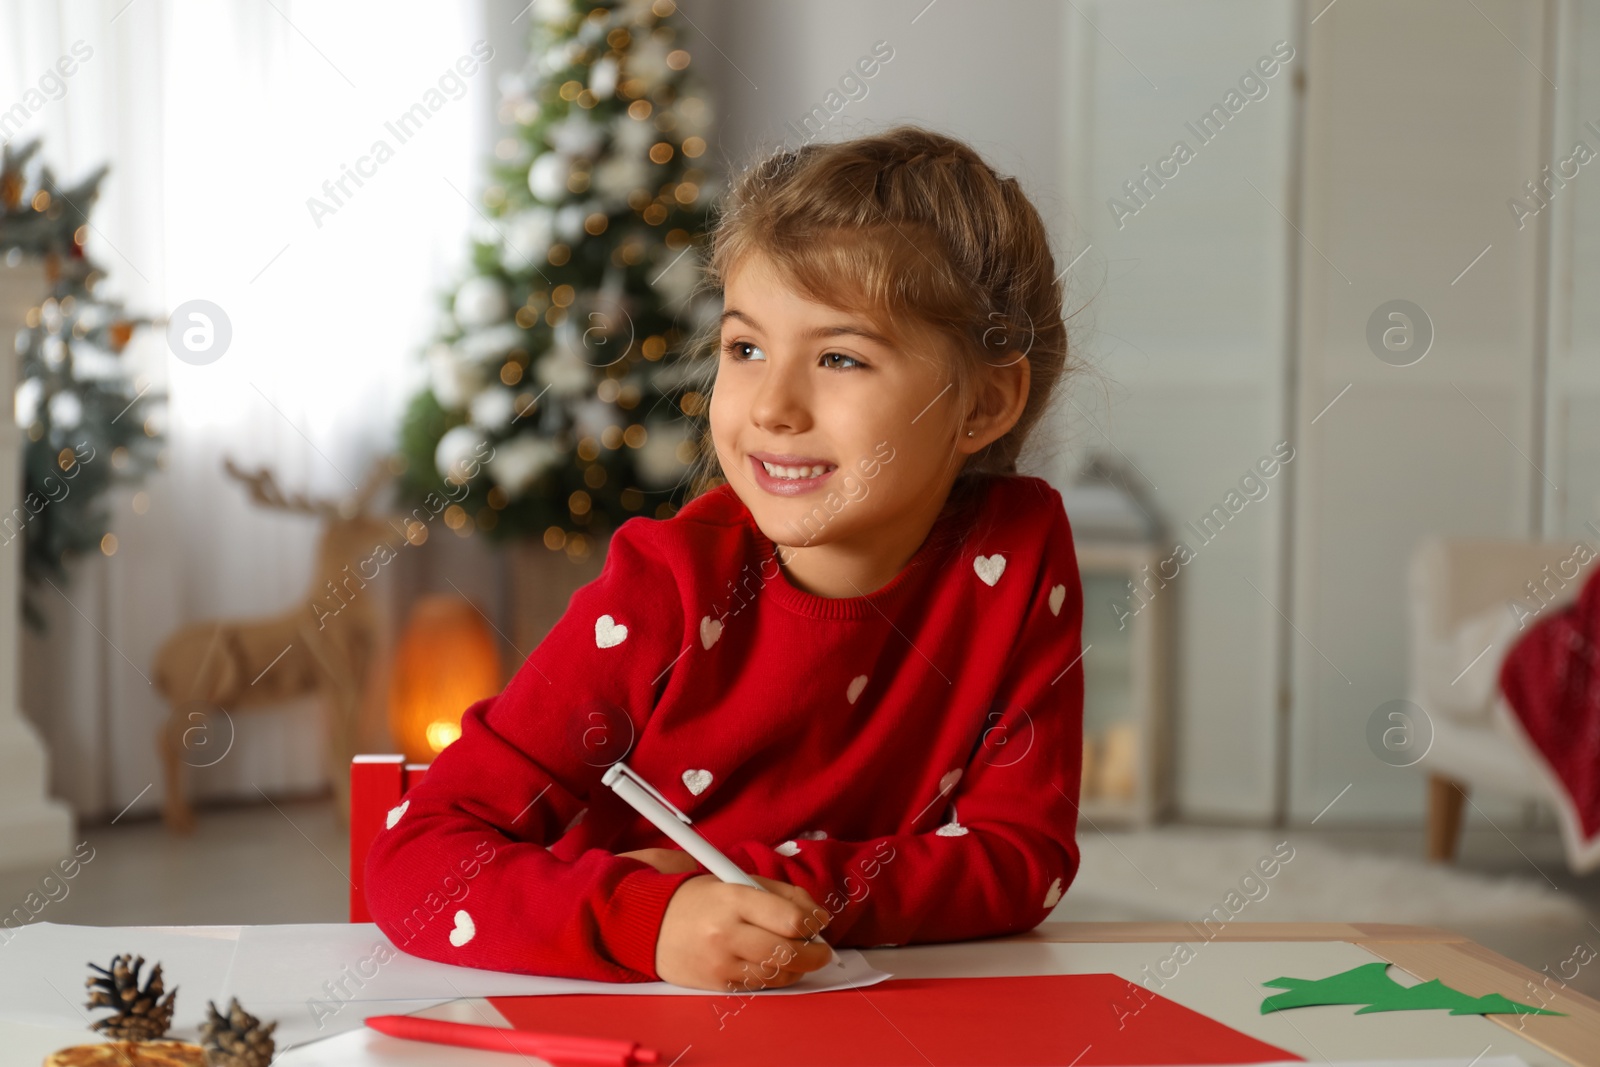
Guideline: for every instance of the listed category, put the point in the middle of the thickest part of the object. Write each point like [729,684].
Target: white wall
[1190,298]
[1573,428]
[1423,119]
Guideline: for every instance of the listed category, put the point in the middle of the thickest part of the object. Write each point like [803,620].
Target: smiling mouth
[798,474]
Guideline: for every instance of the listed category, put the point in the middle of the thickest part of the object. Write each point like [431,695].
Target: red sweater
[911,758]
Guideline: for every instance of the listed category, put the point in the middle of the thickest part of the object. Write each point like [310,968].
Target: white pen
[644,799]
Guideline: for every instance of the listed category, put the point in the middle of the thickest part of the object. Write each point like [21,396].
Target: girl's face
[803,386]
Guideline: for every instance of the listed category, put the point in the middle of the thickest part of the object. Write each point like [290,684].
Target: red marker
[557,1048]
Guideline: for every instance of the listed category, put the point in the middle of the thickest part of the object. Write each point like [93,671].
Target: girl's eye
[735,351]
[732,349]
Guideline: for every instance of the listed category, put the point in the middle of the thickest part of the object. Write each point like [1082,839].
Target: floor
[286,863]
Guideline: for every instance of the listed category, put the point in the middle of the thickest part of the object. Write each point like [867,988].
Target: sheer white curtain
[220,121]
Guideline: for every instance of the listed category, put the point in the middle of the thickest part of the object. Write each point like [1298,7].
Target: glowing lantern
[446,661]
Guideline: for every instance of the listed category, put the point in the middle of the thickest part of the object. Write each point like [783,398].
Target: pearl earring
[969,433]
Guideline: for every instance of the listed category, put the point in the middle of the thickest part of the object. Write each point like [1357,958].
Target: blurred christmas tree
[562,351]
[88,424]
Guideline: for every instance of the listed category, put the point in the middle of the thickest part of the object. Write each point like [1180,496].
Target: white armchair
[1462,625]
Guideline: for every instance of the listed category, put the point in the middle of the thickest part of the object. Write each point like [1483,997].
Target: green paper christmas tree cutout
[1371,986]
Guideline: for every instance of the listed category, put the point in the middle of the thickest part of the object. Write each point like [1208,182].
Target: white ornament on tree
[647,61]
[552,12]
[615,178]
[657,461]
[560,55]
[603,77]
[577,135]
[569,220]
[528,236]
[632,137]
[517,463]
[593,417]
[27,401]
[493,408]
[481,301]
[680,278]
[453,380]
[66,410]
[478,346]
[563,369]
[547,177]
[458,445]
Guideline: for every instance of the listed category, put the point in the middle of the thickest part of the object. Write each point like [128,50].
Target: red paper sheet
[1036,1021]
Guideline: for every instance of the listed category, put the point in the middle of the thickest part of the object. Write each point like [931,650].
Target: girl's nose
[782,401]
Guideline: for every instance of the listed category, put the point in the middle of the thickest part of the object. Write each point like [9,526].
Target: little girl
[853,663]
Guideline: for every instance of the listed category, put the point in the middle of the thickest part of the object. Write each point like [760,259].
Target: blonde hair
[915,232]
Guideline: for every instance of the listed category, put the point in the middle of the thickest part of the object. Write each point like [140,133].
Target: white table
[1221,981]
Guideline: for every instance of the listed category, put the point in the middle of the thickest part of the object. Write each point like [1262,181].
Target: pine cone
[237,1039]
[139,1014]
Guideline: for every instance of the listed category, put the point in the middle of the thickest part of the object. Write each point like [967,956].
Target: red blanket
[1551,683]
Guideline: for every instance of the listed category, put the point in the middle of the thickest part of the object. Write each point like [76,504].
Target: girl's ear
[1002,396]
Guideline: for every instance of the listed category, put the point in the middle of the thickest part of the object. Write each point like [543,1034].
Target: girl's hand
[715,933]
[665,860]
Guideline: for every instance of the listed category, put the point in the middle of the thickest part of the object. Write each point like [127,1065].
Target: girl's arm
[1003,847]
[462,874]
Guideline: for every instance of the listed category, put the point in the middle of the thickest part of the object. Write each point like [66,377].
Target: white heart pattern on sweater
[1057,595]
[609,632]
[710,630]
[395,813]
[989,568]
[464,931]
[857,684]
[951,829]
[788,848]
[696,781]
[1052,898]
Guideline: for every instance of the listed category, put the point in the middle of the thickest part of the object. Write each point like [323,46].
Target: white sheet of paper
[317,980]
[44,967]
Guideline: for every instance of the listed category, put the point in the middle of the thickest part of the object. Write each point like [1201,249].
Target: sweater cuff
[633,917]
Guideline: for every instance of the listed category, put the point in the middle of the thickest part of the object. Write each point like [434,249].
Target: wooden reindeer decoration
[325,644]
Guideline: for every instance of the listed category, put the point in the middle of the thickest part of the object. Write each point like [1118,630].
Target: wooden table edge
[1428,952]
